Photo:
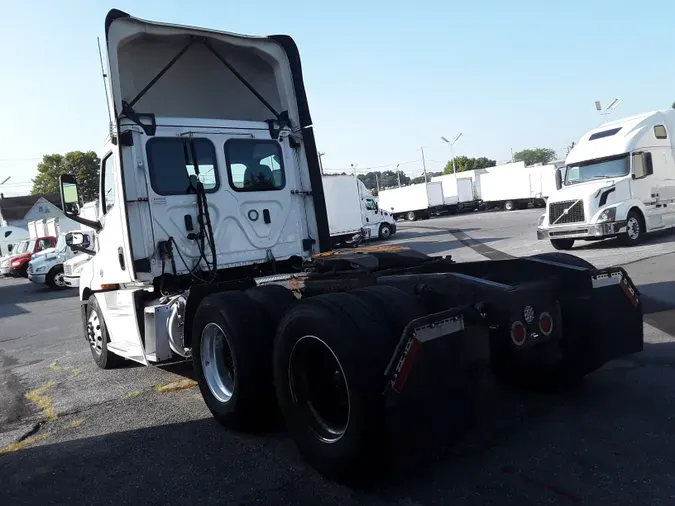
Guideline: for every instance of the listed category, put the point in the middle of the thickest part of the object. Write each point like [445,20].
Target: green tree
[463,163]
[673,106]
[387,179]
[536,155]
[84,166]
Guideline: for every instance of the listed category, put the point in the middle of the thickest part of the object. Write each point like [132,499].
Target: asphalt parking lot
[73,434]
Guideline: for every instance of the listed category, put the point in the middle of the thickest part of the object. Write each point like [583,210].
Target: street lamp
[608,110]
[398,174]
[452,155]
[6,179]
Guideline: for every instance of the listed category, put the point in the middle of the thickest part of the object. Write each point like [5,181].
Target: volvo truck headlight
[608,215]
[540,221]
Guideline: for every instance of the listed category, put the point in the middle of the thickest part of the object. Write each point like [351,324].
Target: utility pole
[398,174]
[511,155]
[424,165]
[452,153]
[377,183]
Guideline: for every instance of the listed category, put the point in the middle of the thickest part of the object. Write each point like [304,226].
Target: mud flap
[434,381]
[605,326]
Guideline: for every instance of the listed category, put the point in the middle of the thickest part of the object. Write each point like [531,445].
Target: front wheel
[55,278]
[562,244]
[385,231]
[634,230]
[97,335]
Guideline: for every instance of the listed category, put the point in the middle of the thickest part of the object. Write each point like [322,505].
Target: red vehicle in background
[18,264]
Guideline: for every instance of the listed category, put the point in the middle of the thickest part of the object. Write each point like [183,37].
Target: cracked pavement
[73,434]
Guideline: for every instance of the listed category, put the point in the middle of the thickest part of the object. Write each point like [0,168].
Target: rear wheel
[329,357]
[509,205]
[232,350]
[562,244]
[411,216]
[97,335]
[55,278]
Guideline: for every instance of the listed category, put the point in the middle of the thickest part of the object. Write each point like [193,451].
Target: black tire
[509,206]
[23,271]
[348,340]
[635,229]
[565,258]
[410,216]
[385,231]
[397,307]
[97,336]
[562,244]
[275,300]
[55,279]
[245,349]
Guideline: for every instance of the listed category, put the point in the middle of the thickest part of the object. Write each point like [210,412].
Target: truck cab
[618,182]
[47,267]
[18,264]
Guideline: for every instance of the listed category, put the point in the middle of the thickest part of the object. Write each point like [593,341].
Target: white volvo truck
[213,245]
[619,182]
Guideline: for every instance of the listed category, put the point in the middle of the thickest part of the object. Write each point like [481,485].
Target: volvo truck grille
[575,213]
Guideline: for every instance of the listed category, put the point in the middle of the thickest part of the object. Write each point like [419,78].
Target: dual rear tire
[319,361]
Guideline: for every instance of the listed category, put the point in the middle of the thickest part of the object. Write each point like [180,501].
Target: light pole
[321,162]
[452,154]
[607,110]
[424,164]
[398,174]
[353,166]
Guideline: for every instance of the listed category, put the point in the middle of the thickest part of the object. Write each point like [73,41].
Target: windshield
[31,246]
[602,168]
[61,245]
[21,248]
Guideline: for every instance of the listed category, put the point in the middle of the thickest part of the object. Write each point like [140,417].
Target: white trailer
[414,201]
[458,193]
[38,229]
[512,186]
[618,182]
[214,246]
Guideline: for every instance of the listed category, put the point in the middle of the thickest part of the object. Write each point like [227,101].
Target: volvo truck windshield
[615,166]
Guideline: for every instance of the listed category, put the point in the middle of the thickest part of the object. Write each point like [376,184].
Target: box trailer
[511,186]
[414,201]
[343,204]
[458,193]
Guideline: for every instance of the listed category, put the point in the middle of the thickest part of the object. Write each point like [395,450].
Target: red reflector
[518,334]
[545,323]
[405,364]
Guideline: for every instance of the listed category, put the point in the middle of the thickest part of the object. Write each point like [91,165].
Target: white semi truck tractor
[213,245]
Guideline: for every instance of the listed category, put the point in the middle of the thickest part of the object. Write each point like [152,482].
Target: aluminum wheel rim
[633,228]
[58,279]
[319,388]
[94,333]
[217,362]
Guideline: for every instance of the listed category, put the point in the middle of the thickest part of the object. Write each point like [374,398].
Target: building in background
[18,211]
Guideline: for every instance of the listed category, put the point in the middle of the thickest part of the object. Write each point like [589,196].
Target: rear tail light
[545,324]
[518,333]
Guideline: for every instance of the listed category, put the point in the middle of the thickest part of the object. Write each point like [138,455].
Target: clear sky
[383,77]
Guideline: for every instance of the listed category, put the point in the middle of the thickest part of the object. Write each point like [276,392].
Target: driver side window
[109,193]
[370,205]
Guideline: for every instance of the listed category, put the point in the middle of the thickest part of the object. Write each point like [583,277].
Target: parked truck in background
[413,202]
[47,268]
[214,245]
[618,182]
[353,214]
[458,193]
[18,263]
[9,236]
[18,248]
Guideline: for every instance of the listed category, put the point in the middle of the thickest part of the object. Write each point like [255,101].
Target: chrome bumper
[39,279]
[582,231]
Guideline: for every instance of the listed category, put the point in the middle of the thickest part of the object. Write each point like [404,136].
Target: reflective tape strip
[439,329]
[608,279]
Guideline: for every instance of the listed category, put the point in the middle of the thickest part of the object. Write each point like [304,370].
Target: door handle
[120,257]
[266,216]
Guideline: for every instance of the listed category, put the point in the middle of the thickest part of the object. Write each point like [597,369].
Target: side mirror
[77,239]
[70,197]
[558,179]
[10,247]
